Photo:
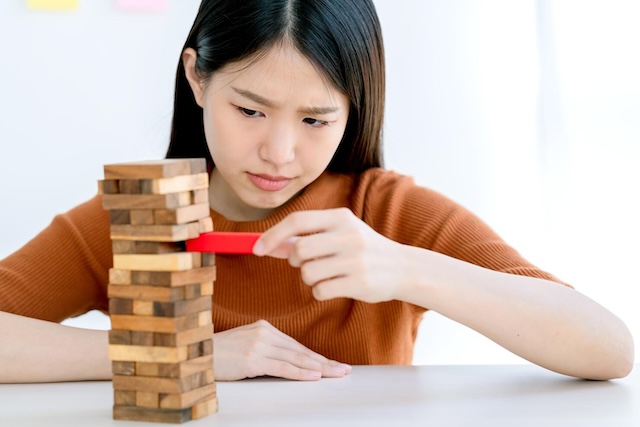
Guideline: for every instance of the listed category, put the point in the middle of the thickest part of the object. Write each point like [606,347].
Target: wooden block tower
[160,342]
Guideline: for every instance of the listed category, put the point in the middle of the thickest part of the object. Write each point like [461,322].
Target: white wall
[535,135]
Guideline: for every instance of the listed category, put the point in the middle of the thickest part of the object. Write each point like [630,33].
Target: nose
[279,145]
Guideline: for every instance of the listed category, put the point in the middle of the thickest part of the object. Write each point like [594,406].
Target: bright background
[526,112]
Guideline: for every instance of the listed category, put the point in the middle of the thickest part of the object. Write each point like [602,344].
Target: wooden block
[200,196]
[156,293]
[192,291]
[137,353]
[175,370]
[179,261]
[144,308]
[142,217]
[119,216]
[182,215]
[183,338]
[108,186]
[155,415]
[147,399]
[119,337]
[174,184]
[143,338]
[146,201]
[205,288]
[163,385]
[205,225]
[202,409]
[181,308]
[204,318]
[173,278]
[208,259]
[144,247]
[123,368]
[130,186]
[124,397]
[119,277]
[185,400]
[120,306]
[155,233]
[157,324]
[152,169]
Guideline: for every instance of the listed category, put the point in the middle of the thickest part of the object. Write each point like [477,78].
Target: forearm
[546,323]
[33,350]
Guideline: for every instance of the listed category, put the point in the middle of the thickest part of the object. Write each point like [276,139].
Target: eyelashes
[308,120]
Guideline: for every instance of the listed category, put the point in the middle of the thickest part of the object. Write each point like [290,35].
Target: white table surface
[490,395]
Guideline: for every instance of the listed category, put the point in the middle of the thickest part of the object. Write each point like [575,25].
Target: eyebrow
[268,103]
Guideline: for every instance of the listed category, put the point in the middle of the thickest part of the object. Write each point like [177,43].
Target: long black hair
[342,38]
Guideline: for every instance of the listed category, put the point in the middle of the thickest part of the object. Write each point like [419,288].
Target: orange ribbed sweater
[63,272]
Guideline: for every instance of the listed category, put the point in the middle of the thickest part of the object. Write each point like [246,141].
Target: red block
[223,242]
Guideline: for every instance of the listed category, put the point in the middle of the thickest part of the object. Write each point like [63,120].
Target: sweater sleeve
[63,271]
[407,213]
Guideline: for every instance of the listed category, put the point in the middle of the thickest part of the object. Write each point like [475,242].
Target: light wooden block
[179,261]
[128,322]
[120,277]
[205,225]
[143,308]
[156,233]
[152,169]
[146,201]
[136,353]
[175,184]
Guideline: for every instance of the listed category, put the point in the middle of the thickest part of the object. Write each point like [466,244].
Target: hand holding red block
[223,242]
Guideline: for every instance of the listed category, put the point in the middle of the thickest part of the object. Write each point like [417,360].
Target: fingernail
[338,370]
[258,248]
[346,367]
[315,374]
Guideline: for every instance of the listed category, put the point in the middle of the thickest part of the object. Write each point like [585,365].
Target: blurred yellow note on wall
[52,4]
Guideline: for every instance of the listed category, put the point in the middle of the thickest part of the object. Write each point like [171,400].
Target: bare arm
[544,322]
[34,350]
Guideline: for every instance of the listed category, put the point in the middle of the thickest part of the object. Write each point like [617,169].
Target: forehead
[279,66]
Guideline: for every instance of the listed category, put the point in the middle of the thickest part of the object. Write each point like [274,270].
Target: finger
[337,287]
[295,224]
[319,270]
[305,365]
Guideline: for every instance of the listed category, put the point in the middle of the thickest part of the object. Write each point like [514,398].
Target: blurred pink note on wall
[142,5]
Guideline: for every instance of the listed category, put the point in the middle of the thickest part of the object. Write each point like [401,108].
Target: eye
[250,113]
[315,122]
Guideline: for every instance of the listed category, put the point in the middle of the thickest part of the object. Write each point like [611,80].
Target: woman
[285,101]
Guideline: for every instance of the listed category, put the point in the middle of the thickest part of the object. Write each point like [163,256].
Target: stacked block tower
[160,342]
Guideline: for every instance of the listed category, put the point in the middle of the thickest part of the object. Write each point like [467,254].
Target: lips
[268,182]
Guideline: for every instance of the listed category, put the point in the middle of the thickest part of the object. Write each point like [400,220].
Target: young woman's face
[272,127]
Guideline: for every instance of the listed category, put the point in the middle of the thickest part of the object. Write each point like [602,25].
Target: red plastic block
[223,242]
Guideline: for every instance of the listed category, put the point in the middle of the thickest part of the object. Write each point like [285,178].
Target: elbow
[618,363]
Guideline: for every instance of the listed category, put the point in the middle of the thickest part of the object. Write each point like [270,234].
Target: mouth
[269,182]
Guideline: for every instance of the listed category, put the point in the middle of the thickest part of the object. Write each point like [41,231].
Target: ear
[189,57]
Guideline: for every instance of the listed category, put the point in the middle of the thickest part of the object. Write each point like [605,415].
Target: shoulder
[397,195]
